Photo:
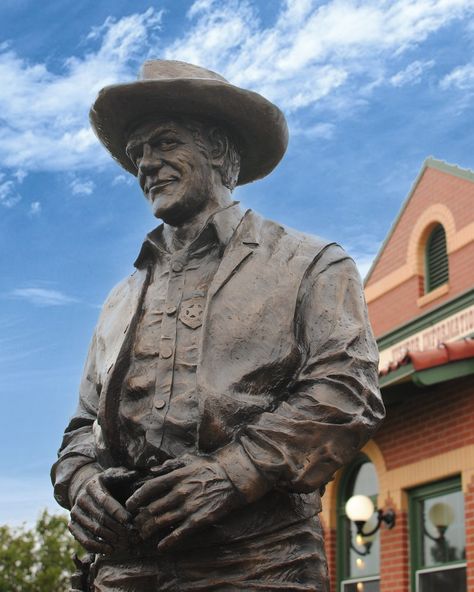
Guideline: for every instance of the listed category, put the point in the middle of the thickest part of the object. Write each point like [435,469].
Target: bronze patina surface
[228,377]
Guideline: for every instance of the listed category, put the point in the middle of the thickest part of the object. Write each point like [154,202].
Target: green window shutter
[437,271]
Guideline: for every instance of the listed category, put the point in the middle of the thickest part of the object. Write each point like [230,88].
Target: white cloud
[82,186]
[461,78]
[333,54]
[35,208]
[412,74]
[45,114]
[43,296]
[120,179]
[313,49]
[8,194]
[324,131]
[20,175]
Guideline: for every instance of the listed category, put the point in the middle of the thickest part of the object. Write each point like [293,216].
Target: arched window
[358,561]
[436,259]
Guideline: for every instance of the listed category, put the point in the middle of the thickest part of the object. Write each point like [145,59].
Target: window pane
[373,586]
[366,482]
[441,581]
[369,564]
[443,518]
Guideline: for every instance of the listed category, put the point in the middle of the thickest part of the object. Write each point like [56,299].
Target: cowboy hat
[172,88]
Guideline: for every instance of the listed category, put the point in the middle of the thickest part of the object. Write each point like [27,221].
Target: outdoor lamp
[441,515]
[360,510]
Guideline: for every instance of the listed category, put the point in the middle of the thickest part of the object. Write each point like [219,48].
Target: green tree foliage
[37,559]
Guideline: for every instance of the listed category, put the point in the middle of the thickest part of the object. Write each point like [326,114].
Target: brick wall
[429,422]
[394,553]
[330,546]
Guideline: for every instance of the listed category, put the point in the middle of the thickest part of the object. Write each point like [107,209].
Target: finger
[155,523]
[150,490]
[163,505]
[167,467]
[87,540]
[173,539]
[95,527]
[91,507]
[109,504]
[169,503]
[97,515]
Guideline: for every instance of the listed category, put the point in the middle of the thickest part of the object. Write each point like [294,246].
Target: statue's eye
[166,144]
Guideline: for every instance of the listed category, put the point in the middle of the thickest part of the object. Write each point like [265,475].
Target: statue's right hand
[98,521]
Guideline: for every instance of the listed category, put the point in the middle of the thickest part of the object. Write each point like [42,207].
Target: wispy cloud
[313,50]
[412,74]
[44,114]
[122,179]
[43,296]
[461,78]
[319,130]
[330,54]
[8,193]
[35,208]
[20,175]
[82,186]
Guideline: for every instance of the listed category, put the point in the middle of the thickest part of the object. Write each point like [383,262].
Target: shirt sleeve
[334,404]
[77,447]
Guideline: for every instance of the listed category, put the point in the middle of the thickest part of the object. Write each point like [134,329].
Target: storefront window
[358,557]
[438,544]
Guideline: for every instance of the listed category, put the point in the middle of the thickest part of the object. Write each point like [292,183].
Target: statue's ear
[219,146]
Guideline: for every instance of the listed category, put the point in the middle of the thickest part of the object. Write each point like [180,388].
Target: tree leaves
[37,559]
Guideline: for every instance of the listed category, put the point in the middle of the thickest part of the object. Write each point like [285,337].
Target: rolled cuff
[243,474]
[80,478]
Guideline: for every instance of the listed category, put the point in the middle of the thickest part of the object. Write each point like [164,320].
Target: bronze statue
[229,376]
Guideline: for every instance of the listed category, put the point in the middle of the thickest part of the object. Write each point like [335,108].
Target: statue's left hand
[194,494]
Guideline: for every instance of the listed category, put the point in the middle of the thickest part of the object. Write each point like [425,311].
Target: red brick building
[420,293]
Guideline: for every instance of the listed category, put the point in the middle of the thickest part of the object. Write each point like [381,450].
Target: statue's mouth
[159,185]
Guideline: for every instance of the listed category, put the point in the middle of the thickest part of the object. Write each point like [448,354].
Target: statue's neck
[178,237]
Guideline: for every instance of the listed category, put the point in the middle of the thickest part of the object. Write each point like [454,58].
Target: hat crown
[173,69]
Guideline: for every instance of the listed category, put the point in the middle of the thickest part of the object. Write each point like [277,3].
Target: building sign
[452,328]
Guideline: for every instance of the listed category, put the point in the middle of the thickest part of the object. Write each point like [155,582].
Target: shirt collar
[219,229]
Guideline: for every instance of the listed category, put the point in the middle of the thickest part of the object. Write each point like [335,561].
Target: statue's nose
[150,162]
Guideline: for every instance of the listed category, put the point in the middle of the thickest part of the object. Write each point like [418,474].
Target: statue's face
[174,174]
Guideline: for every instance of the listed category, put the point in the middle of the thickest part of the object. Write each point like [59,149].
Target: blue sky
[370,89]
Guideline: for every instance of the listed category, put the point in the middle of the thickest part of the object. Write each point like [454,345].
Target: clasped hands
[182,495]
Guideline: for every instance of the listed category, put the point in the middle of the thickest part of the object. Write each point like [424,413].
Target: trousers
[290,559]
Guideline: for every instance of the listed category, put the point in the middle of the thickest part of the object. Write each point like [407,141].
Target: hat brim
[257,126]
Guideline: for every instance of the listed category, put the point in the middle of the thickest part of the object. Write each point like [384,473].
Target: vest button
[166,352]
[177,266]
[171,310]
[160,403]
